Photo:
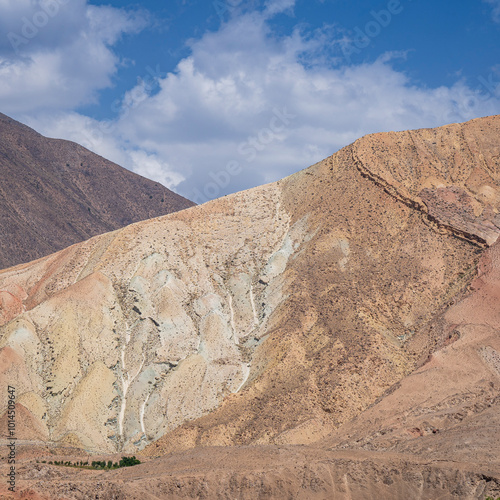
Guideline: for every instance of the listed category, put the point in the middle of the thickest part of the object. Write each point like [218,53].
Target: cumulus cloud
[153,167]
[57,54]
[248,107]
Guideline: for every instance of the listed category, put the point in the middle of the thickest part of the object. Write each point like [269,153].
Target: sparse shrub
[129,461]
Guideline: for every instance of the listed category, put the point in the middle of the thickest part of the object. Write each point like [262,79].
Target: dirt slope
[267,472]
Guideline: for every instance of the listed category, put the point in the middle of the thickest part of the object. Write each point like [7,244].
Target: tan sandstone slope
[281,315]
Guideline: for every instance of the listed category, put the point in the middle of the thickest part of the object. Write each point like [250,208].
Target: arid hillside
[54,193]
[333,334]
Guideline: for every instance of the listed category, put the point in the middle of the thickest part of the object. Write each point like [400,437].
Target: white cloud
[151,166]
[28,25]
[57,54]
[248,107]
[273,7]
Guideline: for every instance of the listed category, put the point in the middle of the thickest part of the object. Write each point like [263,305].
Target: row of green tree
[97,464]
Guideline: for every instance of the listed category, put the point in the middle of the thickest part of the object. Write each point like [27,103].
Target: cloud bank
[247,106]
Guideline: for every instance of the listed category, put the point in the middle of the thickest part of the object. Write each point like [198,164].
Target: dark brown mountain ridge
[54,193]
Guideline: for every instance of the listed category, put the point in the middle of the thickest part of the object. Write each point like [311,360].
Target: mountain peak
[55,193]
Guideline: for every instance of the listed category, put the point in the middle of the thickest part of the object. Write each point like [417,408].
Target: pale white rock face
[133,333]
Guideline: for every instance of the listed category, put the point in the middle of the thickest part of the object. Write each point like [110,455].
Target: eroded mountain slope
[272,316]
[449,407]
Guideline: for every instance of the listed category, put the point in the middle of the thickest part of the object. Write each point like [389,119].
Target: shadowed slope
[54,193]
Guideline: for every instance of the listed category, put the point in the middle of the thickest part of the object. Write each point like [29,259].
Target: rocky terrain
[331,335]
[55,193]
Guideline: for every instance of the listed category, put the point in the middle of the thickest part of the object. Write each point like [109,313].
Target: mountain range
[331,335]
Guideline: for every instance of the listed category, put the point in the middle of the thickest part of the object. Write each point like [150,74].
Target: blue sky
[213,97]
